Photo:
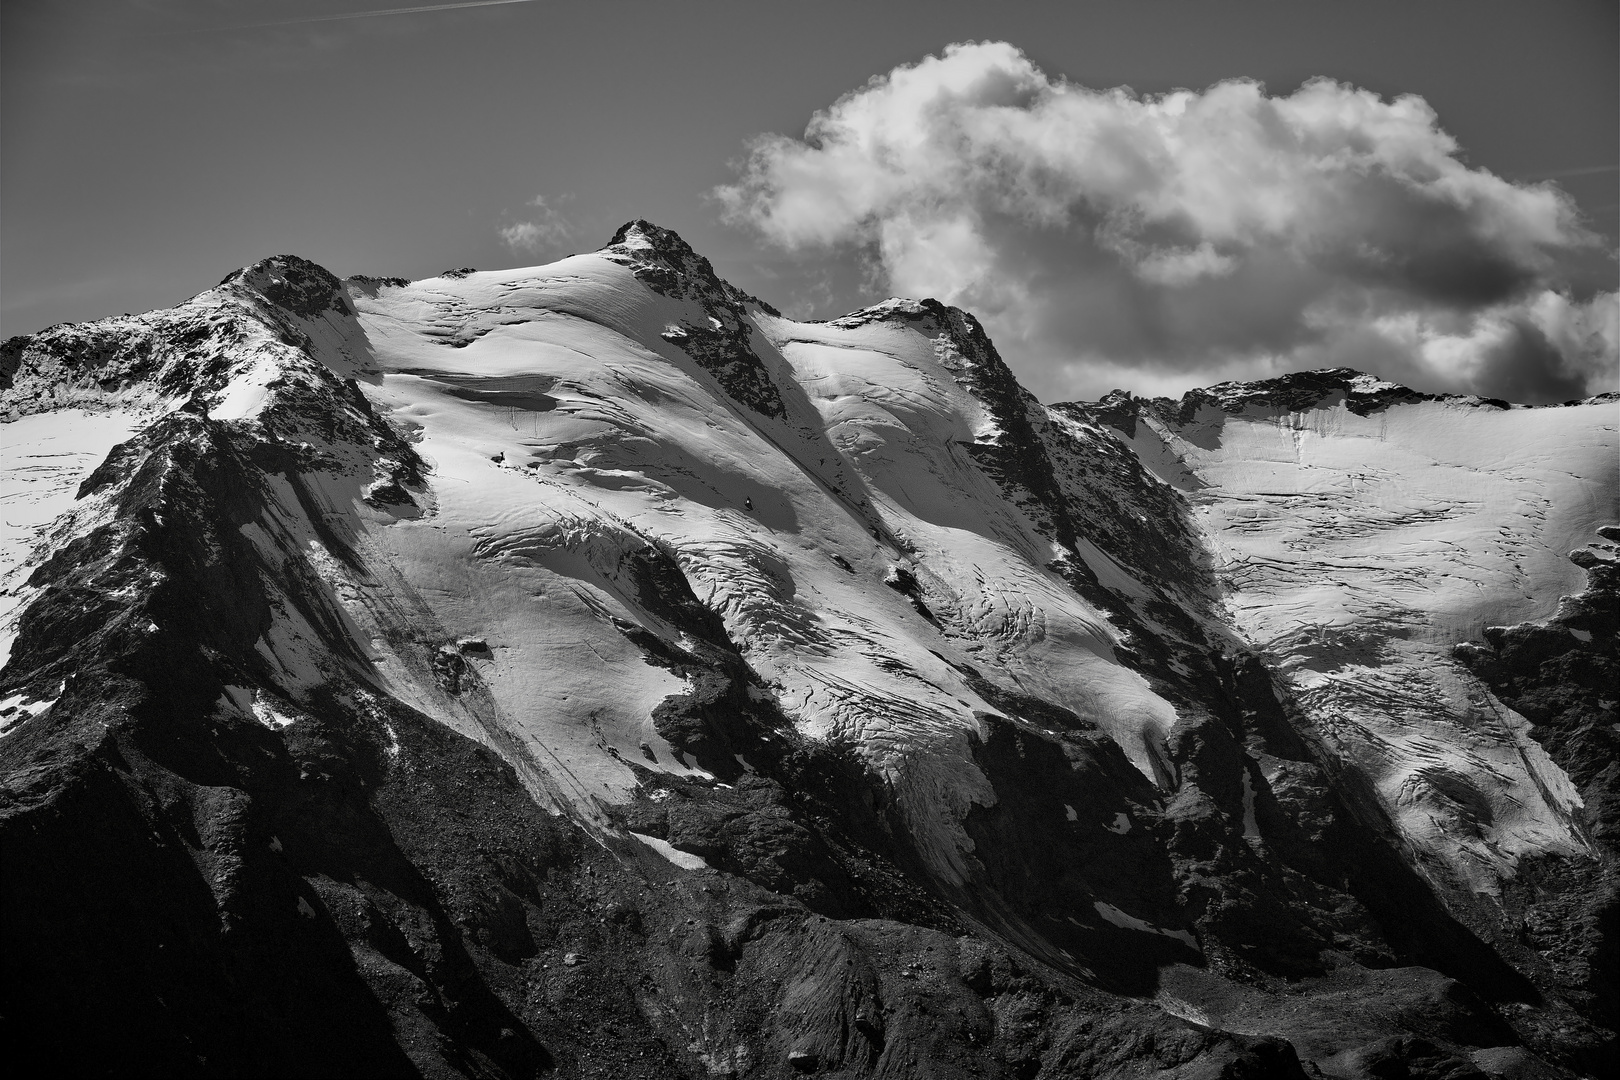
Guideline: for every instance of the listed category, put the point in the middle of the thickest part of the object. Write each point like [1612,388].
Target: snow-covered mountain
[584,668]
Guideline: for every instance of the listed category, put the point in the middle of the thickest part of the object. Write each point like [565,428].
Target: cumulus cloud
[542,230]
[1161,241]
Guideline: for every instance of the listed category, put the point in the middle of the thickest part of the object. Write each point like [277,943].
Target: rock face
[582,670]
[722,341]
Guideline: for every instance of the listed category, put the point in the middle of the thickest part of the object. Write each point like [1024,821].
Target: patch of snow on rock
[683,859]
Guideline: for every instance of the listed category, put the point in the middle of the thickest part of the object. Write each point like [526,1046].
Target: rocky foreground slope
[585,671]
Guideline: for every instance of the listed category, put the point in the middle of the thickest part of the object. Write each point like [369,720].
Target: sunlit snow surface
[43,460]
[563,432]
[1356,550]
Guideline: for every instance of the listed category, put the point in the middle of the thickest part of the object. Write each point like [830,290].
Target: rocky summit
[583,670]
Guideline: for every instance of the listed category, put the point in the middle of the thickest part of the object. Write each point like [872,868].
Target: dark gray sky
[149,147]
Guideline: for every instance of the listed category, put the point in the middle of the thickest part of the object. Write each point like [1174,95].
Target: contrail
[357,15]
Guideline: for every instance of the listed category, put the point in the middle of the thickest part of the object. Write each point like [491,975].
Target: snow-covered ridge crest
[1297,391]
[667,264]
[269,348]
[1009,424]
[218,352]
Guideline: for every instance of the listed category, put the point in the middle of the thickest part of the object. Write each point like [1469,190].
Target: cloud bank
[543,230]
[1161,242]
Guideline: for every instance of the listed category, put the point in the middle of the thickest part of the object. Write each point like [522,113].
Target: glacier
[1134,704]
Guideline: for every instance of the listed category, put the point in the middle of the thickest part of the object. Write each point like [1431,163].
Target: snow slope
[854,503]
[836,614]
[564,431]
[831,608]
[1355,548]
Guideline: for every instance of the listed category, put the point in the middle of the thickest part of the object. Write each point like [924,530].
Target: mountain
[583,670]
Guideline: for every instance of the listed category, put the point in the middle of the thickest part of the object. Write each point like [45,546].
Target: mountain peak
[664,262]
[643,236]
[720,340]
[895,309]
[667,264]
[298,285]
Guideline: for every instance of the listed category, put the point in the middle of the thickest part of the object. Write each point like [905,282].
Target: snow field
[624,442]
[858,556]
[1356,550]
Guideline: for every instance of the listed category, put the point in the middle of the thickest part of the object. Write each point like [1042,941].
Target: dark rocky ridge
[722,345]
[1563,920]
[1293,392]
[292,284]
[363,892]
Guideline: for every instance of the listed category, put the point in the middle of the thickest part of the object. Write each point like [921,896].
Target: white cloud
[1182,266]
[1543,348]
[545,229]
[1102,233]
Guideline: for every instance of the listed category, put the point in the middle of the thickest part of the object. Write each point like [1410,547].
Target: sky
[1150,195]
